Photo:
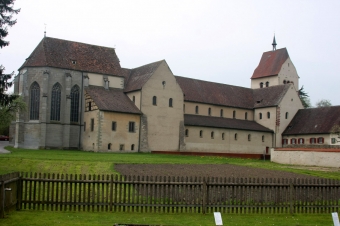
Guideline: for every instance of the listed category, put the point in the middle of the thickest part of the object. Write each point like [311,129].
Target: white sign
[335,219]
[218,218]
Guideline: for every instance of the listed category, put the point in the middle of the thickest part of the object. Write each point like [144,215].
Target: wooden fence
[9,192]
[56,192]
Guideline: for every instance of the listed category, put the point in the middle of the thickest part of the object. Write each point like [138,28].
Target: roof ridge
[81,43]
[147,64]
[213,82]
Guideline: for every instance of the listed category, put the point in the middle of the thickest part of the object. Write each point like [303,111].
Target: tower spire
[274,43]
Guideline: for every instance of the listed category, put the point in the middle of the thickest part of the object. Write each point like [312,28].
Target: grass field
[70,162]
[79,162]
[42,218]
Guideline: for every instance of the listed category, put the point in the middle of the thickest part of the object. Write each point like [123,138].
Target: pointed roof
[271,63]
[52,52]
[314,121]
[111,100]
[274,43]
[139,76]
[227,123]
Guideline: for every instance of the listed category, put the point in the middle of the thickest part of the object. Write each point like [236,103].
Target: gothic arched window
[74,103]
[55,102]
[34,101]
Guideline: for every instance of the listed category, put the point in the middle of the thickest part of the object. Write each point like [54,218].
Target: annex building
[79,97]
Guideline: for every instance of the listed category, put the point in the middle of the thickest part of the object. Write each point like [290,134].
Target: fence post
[291,188]
[204,201]
[2,197]
[19,191]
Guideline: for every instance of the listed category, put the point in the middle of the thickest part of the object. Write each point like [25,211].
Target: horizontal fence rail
[59,192]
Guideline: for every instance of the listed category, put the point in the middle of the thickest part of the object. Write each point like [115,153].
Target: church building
[79,97]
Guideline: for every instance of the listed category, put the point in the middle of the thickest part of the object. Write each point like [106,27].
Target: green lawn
[43,218]
[80,162]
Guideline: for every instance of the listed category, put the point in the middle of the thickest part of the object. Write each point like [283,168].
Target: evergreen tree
[6,14]
[304,98]
[323,103]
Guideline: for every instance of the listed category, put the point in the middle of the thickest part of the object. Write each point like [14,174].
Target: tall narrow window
[293,141]
[221,113]
[235,136]
[109,146]
[131,127]
[261,85]
[260,115]
[34,101]
[222,136]
[268,114]
[209,111]
[55,103]
[262,138]
[133,99]
[183,108]
[90,106]
[301,141]
[286,115]
[267,84]
[186,132]
[74,103]
[212,135]
[249,137]
[246,115]
[132,147]
[154,100]
[114,126]
[201,133]
[196,109]
[170,102]
[92,124]
[234,114]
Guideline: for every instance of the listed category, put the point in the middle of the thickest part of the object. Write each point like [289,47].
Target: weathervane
[45,30]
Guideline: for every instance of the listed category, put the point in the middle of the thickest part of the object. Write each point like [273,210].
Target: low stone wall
[306,156]
[312,146]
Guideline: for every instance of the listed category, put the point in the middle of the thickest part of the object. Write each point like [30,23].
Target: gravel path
[202,170]
[2,149]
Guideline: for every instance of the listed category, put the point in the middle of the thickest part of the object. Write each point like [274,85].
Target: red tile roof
[112,100]
[52,52]
[227,123]
[139,76]
[269,96]
[271,63]
[215,93]
[314,121]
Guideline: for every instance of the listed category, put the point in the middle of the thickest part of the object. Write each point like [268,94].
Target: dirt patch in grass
[202,170]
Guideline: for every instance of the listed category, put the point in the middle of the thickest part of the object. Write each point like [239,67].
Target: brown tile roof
[60,53]
[314,121]
[271,63]
[139,76]
[269,96]
[227,123]
[215,93]
[112,100]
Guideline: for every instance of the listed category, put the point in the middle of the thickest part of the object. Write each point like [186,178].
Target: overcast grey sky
[218,41]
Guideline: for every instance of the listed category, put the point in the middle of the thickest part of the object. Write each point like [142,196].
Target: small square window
[333,140]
